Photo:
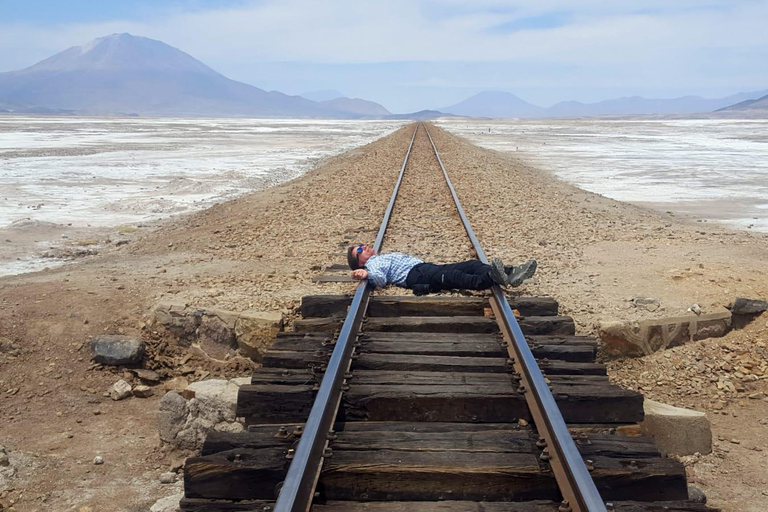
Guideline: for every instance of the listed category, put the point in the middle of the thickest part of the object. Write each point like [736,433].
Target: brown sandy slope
[260,251]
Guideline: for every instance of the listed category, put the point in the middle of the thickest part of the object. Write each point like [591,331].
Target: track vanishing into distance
[443,403]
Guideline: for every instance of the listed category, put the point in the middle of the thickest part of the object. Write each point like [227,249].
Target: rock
[216,397]
[677,431]
[4,460]
[211,406]
[635,339]
[171,415]
[147,375]
[168,504]
[741,306]
[120,390]
[646,303]
[115,350]
[176,384]
[167,478]
[696,495]
[7,347]
[98,460]
[142,391]
[255,331]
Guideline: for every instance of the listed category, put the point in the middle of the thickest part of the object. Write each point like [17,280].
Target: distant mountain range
[504,104]
[125,74]
[757,106]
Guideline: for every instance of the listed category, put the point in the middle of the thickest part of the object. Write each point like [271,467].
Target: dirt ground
[260,252]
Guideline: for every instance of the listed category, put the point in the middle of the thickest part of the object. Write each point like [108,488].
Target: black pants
[467,275]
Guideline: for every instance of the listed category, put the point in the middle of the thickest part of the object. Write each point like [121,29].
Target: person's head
[358,255]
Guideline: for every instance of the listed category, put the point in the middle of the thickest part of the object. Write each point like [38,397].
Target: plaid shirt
[391,268]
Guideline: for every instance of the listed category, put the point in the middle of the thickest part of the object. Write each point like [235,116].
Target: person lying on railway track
[408,272]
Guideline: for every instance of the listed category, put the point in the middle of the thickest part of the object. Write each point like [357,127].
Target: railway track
[382,403]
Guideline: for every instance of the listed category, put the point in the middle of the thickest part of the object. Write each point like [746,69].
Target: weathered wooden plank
[304,376]
[532,325]
[401,362]
[491,506]
[239,474]
[202,505]
[586,404]
[324,278]
[399,475]
[314,306]
[426,475]
[437,324]
[492,347]
[274,403]
[477,402]
[271,437]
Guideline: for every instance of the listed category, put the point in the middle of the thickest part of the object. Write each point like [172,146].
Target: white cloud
[654,42]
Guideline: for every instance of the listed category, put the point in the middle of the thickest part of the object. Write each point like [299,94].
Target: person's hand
[360,274]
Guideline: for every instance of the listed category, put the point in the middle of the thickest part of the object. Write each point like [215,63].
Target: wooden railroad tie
[434,418]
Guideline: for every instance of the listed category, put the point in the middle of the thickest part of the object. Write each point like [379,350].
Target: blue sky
[414,54]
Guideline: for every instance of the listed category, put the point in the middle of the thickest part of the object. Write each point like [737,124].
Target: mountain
[357,106]
[494,104]
[756,106]
[637,105]
[322,95]
[421,115]
[126,74]
[502,104]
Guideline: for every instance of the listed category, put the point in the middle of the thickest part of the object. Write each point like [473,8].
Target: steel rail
[572,476]
[298,489]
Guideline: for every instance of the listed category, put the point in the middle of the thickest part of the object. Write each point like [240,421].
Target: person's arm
[375,272]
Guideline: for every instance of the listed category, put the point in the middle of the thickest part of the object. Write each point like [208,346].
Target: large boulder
[210,405]
[636,339]
[677,431]
[116,350]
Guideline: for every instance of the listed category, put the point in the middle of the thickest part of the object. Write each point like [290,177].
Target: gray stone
[142,391]
[696,495]
[168,504]
[167,478]
[171,416]
[120,390]
[677,431]
[147,375]
[98,460]
[4,460]
[647,303]
[115,350]
[742,306]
